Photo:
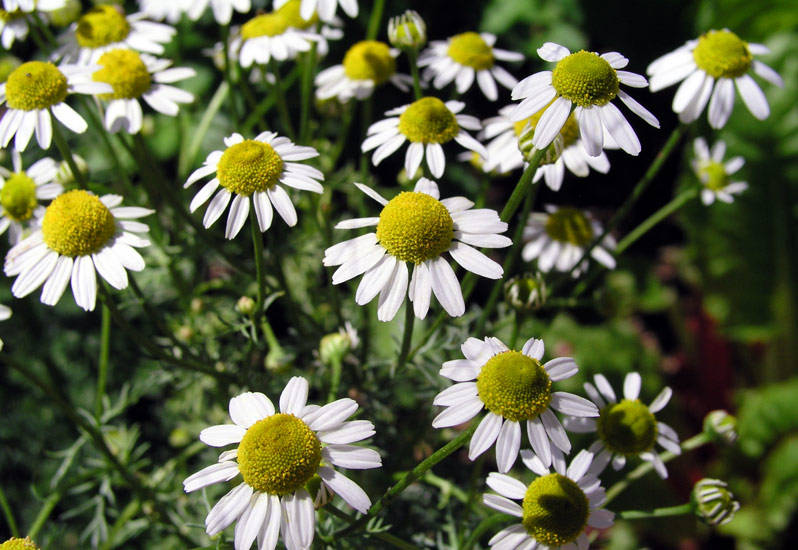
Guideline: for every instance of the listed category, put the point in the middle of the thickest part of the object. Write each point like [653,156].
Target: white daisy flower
[159,10]
[20,193]
[106,27]
[626,428]
[271,35]
[13,27]
[715,174]
[366,65]
[709,69]
[27,6]
[278,453]
[558,238]
[222,9]
[464,56]
[322,32]
[326,8]
[80,234]
[426,124]
[417,228]
[250,171]
[515,388]
[589,81]
[35,92]
[135,76]
[508,138]
[555,509]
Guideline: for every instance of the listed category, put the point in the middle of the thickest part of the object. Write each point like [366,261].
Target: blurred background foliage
[706,303]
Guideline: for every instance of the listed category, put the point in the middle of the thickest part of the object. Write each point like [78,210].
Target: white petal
[351,456]
[84,283]
[553,52]
[457,414]
[551,122]
[251,521]
[422,290]
[249,407]
[502,505]
[436,160]
[332,414]
[446,287]
[222,434]
[753,97]
[661,400]
[631,385]
[294,396]
[604,387]
[506,486]
[413,157]
[485,435]
[568,403]
[348,432]
[591,130]
[539,440]
[228,509]
[721,103]
[619,128]
[215,473]
[507,445]
[561,368]
[299,518]
[282,203]
[475,261]
[393,293]
[347,489]
[57,281]
[216,207]
[555,430]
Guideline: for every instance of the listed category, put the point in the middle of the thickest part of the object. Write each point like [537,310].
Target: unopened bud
[245,305]
[714,503]
[526,292]
[721,426]
[407,31]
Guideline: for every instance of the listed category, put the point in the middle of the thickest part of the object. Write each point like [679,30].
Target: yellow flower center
[18,544]
[77,224]
[470,50]
[627,427]
[721,54]
[125,72]
[18,197]
[555,510]
[514,386]
[267,24]
[415,227]
[428,120]
[586,79]
[102,25]
[715,174]
[279,454]
[290,12]
[369,60]
[569,225]
[249,166]
[35,85]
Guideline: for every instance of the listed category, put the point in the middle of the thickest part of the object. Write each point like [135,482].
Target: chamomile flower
[508,139]
[555,509]
[326,8]
[81,234]
[278,454]
[426,124]
[35,92]
[559,236]
[465,56]
[589,82]
[515,388]
[417,228]
[271,35]
[106,27]
[20,193]
[709,69]
[222,9]
[134,77]
[251,170]
[715,175]
[627,427]
[366,65]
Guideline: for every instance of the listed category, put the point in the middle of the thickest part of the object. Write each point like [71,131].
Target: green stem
[257,245]
[367,115]
[65,151]
[412,56]
[102,364]
[667,511]
[692,443]
[187,160]
[282,105]
[408,479]
[396,542]
[407,336]
[484,526]
[308,70]
[522,187]
[342,135]
[676,203]
[44,29]
[335,378]
[44,513]
[9,514]
[375,20]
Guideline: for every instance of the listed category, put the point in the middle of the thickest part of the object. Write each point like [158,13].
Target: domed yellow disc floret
[721,54]
[471,50]
[415,227]
[249,166]
[514,386]
[102,25]
[18,197]
[569,225]
[125,72]
[627,427]
[267,24]
[586,79]
[370,60]
[18,544]
[279,454]
[35,85]
[77,224]
[428,120]
[555,510]
[290,12]
[714,175]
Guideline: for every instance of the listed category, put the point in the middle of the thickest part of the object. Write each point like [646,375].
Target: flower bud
[407,31]
[66,15]
[526,292]
[714,503]
[245,305]
[334,347]
[64,175]
[721,426]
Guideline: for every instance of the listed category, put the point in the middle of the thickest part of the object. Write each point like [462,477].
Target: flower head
[416,228]
[20,193]
[252,170]
[627,427]
[515,388]
[36,89]
[465,56]
[279,455]
[278,34]
[555,509]
[407,31]
[587,83]
[426,124]
[80,234]
[715,175]
[714,503]
[721,426]
[709,69]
